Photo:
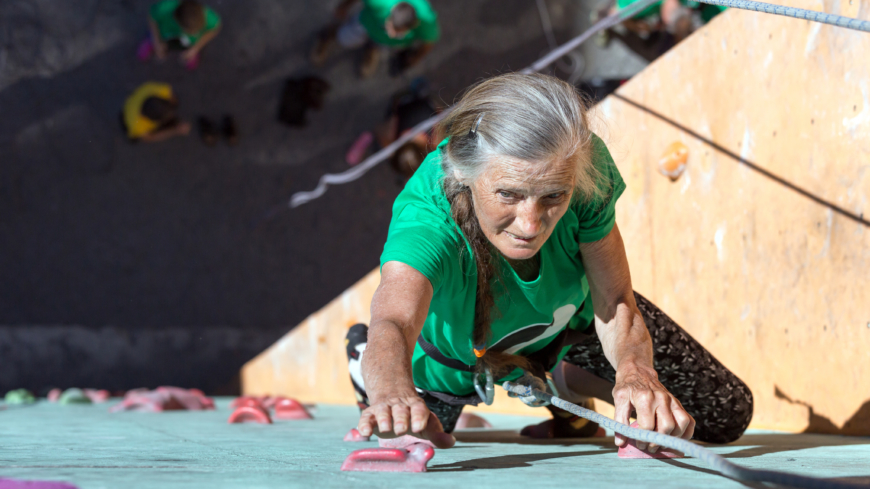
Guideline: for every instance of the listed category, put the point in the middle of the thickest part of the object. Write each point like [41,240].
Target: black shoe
[208,132]
[230,130]
[357,335]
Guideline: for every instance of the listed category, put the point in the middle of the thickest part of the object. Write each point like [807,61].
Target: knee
[727,424]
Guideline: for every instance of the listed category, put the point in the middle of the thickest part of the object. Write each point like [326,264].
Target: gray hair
[534,118]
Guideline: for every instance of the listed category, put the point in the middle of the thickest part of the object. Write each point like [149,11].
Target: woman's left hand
[638,389]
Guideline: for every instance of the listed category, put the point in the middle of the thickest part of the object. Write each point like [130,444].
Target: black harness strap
[542,361]
[436,355]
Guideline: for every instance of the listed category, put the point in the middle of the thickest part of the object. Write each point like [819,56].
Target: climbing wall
[763,255]
[760,248]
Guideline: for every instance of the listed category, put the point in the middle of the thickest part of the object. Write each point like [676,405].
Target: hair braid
[462,207]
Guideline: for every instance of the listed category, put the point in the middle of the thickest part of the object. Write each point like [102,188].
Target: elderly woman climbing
[502,254]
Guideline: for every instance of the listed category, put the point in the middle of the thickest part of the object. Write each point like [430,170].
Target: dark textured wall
[129,265]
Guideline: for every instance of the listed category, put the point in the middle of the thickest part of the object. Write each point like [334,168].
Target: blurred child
[185,25]
[150,114]
[409,25]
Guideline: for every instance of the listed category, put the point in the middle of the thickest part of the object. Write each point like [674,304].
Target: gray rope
[798,13]
[714,461]
[361,169]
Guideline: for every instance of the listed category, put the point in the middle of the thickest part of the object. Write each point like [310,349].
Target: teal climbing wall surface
[89,447]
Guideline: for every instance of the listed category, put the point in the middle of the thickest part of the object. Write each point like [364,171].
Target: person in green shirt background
[408,25]
[503,260]
[186,25]
[677,18]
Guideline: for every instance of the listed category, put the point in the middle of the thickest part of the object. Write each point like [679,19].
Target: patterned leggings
[720,402]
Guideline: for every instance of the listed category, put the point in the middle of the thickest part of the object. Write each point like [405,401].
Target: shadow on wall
[857,425]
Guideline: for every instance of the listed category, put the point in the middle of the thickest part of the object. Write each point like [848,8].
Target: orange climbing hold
[673,162]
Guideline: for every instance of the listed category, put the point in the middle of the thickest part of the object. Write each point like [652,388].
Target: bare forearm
[386,364]
[624,338]
[618,322]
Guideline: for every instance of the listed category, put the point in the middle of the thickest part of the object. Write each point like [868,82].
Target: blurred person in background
[150,114]
[407,108]
[658,27]
[183,25]
[410,26]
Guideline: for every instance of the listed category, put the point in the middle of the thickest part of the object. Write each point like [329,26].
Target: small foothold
[74,395]
[412,459]
[24,484]
[164,399]
[20,396]
[404,441]
[354,435]
[286,408]
[250,414]
[672,164]
[630,450]
[54,395]
[97,396]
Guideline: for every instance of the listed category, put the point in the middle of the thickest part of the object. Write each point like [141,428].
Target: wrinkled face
[519,203]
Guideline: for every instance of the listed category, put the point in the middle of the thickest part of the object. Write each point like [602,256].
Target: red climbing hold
[250,414]
[630,450]
[54,395]
[247,401]
[20,484]
[286,408]
[164,399]
[412,459]
[354,435]
[97,396]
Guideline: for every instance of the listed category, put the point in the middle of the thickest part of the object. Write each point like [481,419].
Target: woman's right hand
[396,416]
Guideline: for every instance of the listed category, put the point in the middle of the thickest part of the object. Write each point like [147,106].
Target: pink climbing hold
[358,149]
[412,459]
[250,414]
[630,450]
[354,435]
[164,399]
[97,396]
[20,484]
[54,395]
[403,441]
[286,408]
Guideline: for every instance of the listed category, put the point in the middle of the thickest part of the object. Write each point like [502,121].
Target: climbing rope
[714,461]
[798,13]
[359,170]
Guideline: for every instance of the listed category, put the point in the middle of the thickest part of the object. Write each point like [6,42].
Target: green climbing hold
[20,396]
[74,396]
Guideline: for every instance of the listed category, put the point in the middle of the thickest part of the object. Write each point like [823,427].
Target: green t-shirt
[707,11]
[375,13]
[529,315]
[163,14]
